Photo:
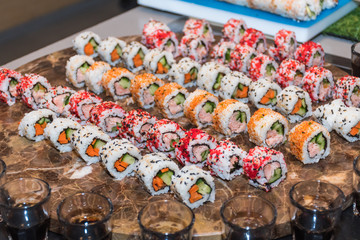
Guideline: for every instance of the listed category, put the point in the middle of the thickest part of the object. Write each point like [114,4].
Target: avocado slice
[276,176]
[69,132]
[93,43]
[204,155]
[203,187]
[209,107]
[125,82]
[218,81]
[141,53]
[99,144]
[278,127]
[118,50]
[179,98]
[153,87]
[84,67]
[269,69]
[227,55]
[13,82]
[166,176]
[128,159]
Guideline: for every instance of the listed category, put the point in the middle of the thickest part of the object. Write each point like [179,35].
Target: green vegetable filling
[115,128]
[204,155]
[66,100]
[320,140]
[13,82]
[124,82]
[218,81]
[39,87]
[241,116]
[84,67]
[179,99]
[278,127]
[153,87]
[94,43]
[69,132]
[166,176]
[128,159]
[209,107]
[44,119]
[99,144]
[228,55]
[309,12]
[118,50]
[275,176]
[141,53]
[206,29]
[270,69]
[204,188]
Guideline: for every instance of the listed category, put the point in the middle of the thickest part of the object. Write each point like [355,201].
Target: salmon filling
[200,152]
[170,47]
[145,128]
[272,172]
[60,101]
[355,97]
[317,145]
[170,139]
[112,123]
[122,87]
[325,90]
[201,50]
[298,78]
[85,108]
[205,113]
[176,104]
[38,92]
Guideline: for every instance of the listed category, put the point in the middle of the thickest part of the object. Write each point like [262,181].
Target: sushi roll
[158,62]
[319,83]
[143,87]
[76,68]
[327,4]
[194,47]
[151,26]
[60,131]
[170,99]
[133,56]
[156,172]
[199,107]
[135,126]
[93,76]
[263,93]
[347,124]
[210,77]
[199,27]
[265,168]
[290,72]
[234,30]
[32,125]
[194,186]
[262,66]
[32,90]
[240,58]
[117,82]
[87,43]
[221,52]
[348,89]
[185,72]
[267,128]
[327,115]
[87,142]
[194,148]
[295,103]
[285,45]
[226,160]
[108,116]
[163,135]
[81,104]
[235,85]
[162,40]
[111,50]
[255,39]
[57,100]
[9,80]
[231,117]
[311,54]
[120,157]
[309,142]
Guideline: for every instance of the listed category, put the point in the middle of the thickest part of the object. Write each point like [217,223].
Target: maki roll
[87,43]
[9,80]
[263,93]
[120,158]
[319,83]
[133,56]
[267,128]
[93,76]
[240,58]
[255,39]
[290,72]
[231,117]
[81,104]
[285,45]
[265,168]
[158,62]
[221,52]
[199,107]
[235,85]
[156,172]
[210,77]
[194,186]
[347,123]
[76,68]
[185,72]
[32,125]
[170,99]
[262,66]
[57,100]
[309,142]
[194,47]
[143,87]
[295,103]
[226,160]
[135,126]
[163,136]
[348,89]
[199,27]
[311,54]
[328,114]
[60,131]
[117,82]
[32,90]
[87,142]
[234,30]
[194,148]
[111,50]
[151,26]
[108,116]
[163,40]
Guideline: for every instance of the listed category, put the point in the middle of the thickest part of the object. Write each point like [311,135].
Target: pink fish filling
[273,138]
[198,150]
[317,61]
[260,47]
[269,169]
[38,95]
[298,80]
[205,117]
[168,138]
[12,90]
[111,122]
[148,98]
[174,108]
[80,76]
[85,108]
[119,90]
[59,102]
[201,51]
[145,128]
[235,125]
[234,160]
[170,48]
[313,149]
[355,99]
[324,92]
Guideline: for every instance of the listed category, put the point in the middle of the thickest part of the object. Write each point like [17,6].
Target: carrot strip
[358,125]
[137,60]
[160,68]
[39,129]
[120,165]
[194,188]
[354,131]
[187,78]
[264,100]
[114,55]
[243,93]
[195,197]
[270,93]
[91,151]
[297,107]
[89,49]
[164,170]
[158,183]
[62,138]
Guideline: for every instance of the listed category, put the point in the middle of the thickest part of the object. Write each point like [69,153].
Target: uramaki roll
[117,82]
[111,50]
[87,43]
[185,72]
[263,93]
[158,62]
[76,68]
[133,56]
[93,76]
[210,77]
[235,85]
[9,80]
[234,30]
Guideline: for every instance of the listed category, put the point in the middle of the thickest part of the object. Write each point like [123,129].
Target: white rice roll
[158,62]
[235,85]
[60,131]
[134,50]
[185,72]
[328,114]
[210,77]
[231,117]
[295,103]
[57,100]
[327,4]
[120,158]
[319,83]
[111,50]
[87,43]
[87,142]
[263,93]
[195,47]
[221,52]
[93,76]
[186,179]
[117,82]
[348,124]
[152,167]
[76,67]
[241,56]
[32,125]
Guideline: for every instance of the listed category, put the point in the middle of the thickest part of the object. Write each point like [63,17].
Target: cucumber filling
[124,83]
[209,107]
[270,69]
[278,127]
[242,30]
[204,188]
[309,12]
[166,176]
[84,67]
[123,162]
[277,174]
[39,87]
[206,29]
[228,55]
[241,117]
[43,119]
[193,73]
[69,132]
[141,54]
[115,128]
[13,82]
[153,87]
[356,90]
[204,155]
[98,144]
[66,99]
[218,81]
[118,50]
[179,99]
[94,43]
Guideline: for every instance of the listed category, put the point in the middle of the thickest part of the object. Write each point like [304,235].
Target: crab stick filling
[237,122]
